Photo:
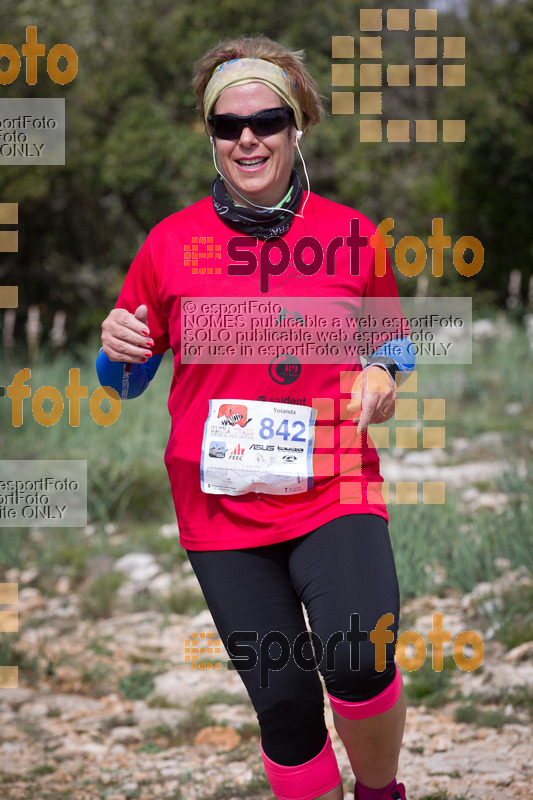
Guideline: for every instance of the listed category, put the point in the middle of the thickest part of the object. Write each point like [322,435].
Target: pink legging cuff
[369,708]
[304,781]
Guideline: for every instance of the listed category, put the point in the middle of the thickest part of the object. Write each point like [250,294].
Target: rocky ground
[194,734]
[109,709]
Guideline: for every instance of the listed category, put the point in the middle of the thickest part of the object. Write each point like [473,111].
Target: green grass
[98,677]
[138,684]
[126,474]
[180,600]
[98,600]
[476,394]
[128,485]
[43,769]
[218,696]
[114,722]
[182,732]
[513,616]
[249,730]
[489,718]
[431,688]
[521,698]
[461,548]
[11,655]
[157,701]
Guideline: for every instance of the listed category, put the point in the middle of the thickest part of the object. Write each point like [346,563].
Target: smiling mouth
[251,162]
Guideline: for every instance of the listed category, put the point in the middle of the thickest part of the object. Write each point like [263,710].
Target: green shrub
[138,684]
[430,687]
[98,600]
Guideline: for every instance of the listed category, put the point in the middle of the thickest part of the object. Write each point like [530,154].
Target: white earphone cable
[265,208]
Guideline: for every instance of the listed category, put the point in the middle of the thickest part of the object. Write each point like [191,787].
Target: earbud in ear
[299,135]
[211,140]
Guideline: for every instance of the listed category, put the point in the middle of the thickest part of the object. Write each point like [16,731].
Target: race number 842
[267,430]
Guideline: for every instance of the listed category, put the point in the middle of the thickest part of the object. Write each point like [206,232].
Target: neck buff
[263,224]
[251,70]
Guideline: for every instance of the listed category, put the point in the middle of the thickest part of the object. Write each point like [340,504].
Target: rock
[523,652]
[452,622]
[37,709]
[184,685]
[491,440]
[93,749]
[90,742]
[30,599]
[190,583]
[74,704]
[240,714]
[502,564]
[63,585]
[138,567]
[17,697]
[170,531]
[483,329]
[203,622]
[128,590]
[171,772]
[461,446]
[29,575]
[162,584]
[74,749]
[130,787]
[424,457]
[126,734]
[445,763]
[219,736]
[440,744]
[152,717]
[64,607]
[493,501]
[455,477]
[481,591]
[11,747]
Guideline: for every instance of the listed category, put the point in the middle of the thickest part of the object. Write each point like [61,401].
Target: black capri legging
[343,572]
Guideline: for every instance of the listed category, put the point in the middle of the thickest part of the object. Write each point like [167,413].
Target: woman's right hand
[126,337]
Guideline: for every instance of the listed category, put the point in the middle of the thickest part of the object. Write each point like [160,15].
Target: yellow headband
[251,70]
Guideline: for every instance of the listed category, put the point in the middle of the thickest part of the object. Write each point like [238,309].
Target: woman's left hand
[374,395]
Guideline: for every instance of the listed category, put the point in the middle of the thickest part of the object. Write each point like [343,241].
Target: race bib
[253,446]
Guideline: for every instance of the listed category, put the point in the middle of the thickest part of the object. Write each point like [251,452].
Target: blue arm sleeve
[130,383]
[397,355]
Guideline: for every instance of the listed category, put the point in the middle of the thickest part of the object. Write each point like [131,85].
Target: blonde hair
[305,90]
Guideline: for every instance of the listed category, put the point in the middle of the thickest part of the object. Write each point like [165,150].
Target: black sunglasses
[262,123]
